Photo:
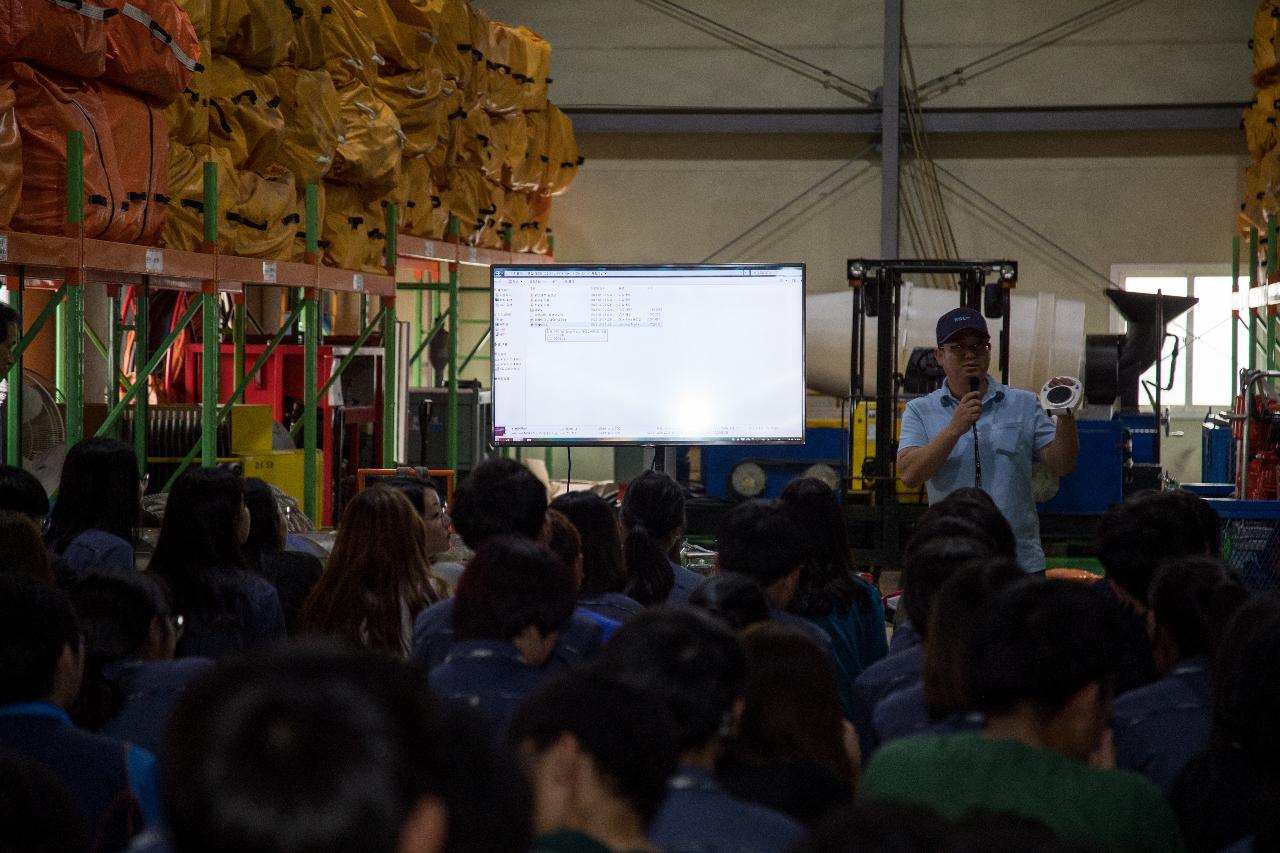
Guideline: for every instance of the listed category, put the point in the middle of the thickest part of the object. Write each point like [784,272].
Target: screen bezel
[657,442]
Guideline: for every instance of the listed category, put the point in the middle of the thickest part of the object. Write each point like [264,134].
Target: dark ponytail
[652,508]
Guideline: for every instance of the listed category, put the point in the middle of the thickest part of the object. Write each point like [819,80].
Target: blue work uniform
[877,683]
[610,605]
[151,689]
[1011,430]
[686,581]
[488,676]
[1160,727]
[700,816]
[433,637]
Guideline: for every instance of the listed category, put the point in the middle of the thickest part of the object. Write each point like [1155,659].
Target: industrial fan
[44,433]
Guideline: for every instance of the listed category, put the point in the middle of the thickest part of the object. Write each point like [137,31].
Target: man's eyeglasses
[979,348]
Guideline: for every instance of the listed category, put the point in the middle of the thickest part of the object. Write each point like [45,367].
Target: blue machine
[782,463]
[1098,480]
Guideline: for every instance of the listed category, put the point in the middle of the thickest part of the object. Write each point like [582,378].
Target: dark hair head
[759,538]
[115,612]
[626,731]
[20,491]
[266,532]
[792,709]
[687,659]
[36,624]
[1039,643]
[1149,527]
[413,488]
[199,534]
[827,581]
[602,568]
[1247,683]
[1193,599]
[652,509]
[500,497]
[736,599]
[932,554]
[36,810]
[309,749]
[98,490]
[23,547]
[954,616]
[510,584]
[565,541]
[378,567]
[976,506]
[1206,516]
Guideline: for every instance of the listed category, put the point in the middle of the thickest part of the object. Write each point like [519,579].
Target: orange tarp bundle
[313,122]
[55,36]
[245,115]
[141,140]
[10,155]
[152,48]
[256,33]
[48,106]
[198,13]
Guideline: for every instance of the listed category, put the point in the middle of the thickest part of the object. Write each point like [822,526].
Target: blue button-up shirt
[1011,430]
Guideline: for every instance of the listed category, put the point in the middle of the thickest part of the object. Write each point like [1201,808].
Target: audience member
[933,553]
[604,575]
[566,543]
[500,497]
[879,827]
[830,593]
[596,789]
[1158,728]
[22,547]
[112,783]
[760,539]
[792,749]
[1228,794]
[696,668]
[977,507]
[735,599]
[131,681]
[99,499]
[20,491]
[1042,673]
[512,602]
[308,748]
[379,575]
[37,814]
[198,555]
[425,496]
[1134,537]
[653,523]
[292,573]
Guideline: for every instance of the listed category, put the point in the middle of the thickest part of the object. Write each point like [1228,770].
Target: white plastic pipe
[1046,337]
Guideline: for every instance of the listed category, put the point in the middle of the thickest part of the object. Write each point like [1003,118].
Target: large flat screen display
[648,355]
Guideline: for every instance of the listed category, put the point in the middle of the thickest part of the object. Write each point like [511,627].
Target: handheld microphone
[977,458]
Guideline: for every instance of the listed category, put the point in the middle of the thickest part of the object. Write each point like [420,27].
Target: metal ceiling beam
[867,121]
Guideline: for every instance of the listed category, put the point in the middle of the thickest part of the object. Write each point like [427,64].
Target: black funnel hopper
[1146,314]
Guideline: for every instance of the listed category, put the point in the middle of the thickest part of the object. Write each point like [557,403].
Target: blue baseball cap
[957,320]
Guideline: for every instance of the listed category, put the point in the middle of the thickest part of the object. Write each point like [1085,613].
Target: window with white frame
[1201,374]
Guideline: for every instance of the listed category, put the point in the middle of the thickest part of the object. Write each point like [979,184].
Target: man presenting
[937,441]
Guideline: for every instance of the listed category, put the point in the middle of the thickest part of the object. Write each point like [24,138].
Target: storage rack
[72,262]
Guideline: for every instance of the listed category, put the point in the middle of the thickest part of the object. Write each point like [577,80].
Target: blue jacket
[1158,728]
[151,691]
[699,816]
[488,676]
[433,637]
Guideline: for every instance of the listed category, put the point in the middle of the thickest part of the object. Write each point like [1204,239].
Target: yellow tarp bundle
[528,173]
[416,191]
[10,154]
[369,153]
[452,50]
[1266,28]
[414,98]
[402,47]
[264,212]
[188,116]
[198,12]
[1262,189]
[562,152]
[349,53]
[517,213]
[537,72]
[423,14]
[505,70]
[481,41]
[470,140]
[511,139]
[308,32]
[244,114]
[353,229]
[256,33]
[469,199]
[313,122]
[184,225]
[1260,121]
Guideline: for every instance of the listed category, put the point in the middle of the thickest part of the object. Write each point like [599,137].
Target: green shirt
[567,841]
[954,773]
